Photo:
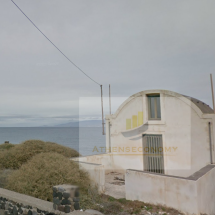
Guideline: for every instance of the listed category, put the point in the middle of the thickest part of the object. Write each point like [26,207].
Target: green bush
[122,201]
[45,170]
[21,153]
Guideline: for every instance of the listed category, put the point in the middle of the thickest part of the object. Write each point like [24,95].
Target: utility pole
[212,90]
[109,99]
[103,130]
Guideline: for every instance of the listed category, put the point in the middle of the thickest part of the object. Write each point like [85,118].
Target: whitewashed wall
[183,126]
[206,193]
[184,130]
[96,173]
[186,195]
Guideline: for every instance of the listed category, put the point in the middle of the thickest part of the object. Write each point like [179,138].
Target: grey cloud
[133,45]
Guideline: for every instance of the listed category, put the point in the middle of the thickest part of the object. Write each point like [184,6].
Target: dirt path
[115,185]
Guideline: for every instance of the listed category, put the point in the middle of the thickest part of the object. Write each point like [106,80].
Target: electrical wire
[54,44]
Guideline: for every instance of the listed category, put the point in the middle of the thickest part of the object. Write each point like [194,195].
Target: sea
[86,140]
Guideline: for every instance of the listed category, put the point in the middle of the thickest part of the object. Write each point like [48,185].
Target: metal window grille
[153,153]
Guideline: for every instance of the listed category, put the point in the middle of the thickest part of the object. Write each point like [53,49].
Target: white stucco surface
[184,130]
[184,127]
[103,159]
[206,193]
[96,173]
[186,195]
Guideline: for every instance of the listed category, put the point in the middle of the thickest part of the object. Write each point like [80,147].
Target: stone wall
[25,200]
[9,207]
[65,200]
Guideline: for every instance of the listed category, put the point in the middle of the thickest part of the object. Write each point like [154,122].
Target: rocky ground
[126,207]
[115,185]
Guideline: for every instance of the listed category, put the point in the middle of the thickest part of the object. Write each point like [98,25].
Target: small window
[154,107]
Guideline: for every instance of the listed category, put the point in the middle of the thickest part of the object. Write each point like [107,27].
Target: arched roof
[204,108]
[201,105]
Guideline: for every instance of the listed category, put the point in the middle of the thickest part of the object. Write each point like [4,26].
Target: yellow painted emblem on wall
[137,120]
[128,124]
[134,121]
[140,118]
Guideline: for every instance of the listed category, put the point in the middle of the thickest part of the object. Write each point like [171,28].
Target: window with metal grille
[153,153]
[154,107]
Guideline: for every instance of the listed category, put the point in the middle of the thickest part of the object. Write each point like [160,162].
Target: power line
[54,44]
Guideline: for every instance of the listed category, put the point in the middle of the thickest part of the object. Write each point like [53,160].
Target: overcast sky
[134,45]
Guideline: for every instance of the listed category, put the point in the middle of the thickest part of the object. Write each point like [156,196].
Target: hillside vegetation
[45,170]
[6,146]
[18,154]
[34,167]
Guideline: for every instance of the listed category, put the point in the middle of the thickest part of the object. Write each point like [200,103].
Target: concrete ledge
[201,172]
[88,163]
[26,200]
[90,155]
[193,177]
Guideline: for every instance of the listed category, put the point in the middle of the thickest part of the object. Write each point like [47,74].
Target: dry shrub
[21,153]
[6,146]
[90,199]
[3,176]
[38,176]
[112,206]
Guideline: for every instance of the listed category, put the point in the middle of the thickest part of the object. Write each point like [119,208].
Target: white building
[164,143]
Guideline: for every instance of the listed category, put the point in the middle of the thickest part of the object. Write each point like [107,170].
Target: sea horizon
[82,139]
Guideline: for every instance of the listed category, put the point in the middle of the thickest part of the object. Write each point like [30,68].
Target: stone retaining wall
[9,207]
[66,198]
[25,200]
[13,203]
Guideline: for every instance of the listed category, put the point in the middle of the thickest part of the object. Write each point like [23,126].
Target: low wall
[12,203]
[114,161]
[192,195]
[103,159]
[121,162]
[65,197]
[96,173]
[206,193]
